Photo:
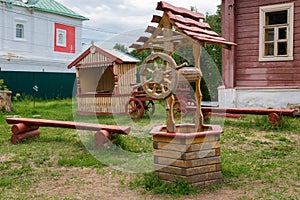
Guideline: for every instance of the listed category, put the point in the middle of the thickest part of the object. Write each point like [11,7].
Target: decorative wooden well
[104,80]
[181,151]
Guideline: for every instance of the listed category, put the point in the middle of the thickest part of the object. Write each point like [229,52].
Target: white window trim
[23,22]
[64,32]
[262,13]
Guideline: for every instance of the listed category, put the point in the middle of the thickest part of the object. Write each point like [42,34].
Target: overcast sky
[111,18]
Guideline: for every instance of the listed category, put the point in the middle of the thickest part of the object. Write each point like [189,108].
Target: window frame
[20,30]
[58,33]
[289,7]
[23,22]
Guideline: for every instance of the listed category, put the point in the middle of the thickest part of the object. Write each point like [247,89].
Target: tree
[121,48]
[215,22]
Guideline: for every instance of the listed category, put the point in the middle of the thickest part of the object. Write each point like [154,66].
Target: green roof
[50,6]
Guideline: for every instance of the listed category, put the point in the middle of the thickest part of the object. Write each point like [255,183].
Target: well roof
[184,21]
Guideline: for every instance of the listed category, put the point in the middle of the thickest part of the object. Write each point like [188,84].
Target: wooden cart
[140,103]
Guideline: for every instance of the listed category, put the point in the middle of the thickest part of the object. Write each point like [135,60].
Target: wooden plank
[268,70]
[268,77]
[206,150]
[169,177]
[191,179]
[257,111]
[189,150]
[164,6]
[150,29]
[167,154]
[170,169]
[187,171]
[142,39]
[199,154]
[69,124]
[135,46]
[287,83]
[203,169]
[156,19]
[187,163]
[167,143]
[204,177]
[187,141]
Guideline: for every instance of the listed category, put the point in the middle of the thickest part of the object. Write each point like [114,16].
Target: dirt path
[77,183]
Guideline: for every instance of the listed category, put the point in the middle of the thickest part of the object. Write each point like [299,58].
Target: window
[61,38]
[276,32]
[20,31]
[64,38]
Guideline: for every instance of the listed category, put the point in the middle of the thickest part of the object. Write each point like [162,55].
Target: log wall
[101,104]
[126,77]
[245,70]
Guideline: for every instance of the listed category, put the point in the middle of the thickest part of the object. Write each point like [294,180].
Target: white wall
[38,43]
[258,98]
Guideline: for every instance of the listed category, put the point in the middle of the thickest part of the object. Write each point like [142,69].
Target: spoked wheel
[134,108]
[179,109]
[158,75]
[149,107]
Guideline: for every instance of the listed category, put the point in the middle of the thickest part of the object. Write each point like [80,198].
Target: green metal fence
[42,85]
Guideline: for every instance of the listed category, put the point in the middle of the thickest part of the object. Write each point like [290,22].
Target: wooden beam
[109,62]
[156,19]
[69,124]
[150,29]
[135,46]
[142,39]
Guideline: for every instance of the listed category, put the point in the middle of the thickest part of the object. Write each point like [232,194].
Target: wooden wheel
[149,107]
[134,108]
[158,75]
[179,109]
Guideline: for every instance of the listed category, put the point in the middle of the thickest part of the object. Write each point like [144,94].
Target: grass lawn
[258,160]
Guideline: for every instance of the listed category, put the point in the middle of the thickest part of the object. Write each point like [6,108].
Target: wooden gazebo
[104,80]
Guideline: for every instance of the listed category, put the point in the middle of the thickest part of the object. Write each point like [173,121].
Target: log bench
[273,114]
[27,127]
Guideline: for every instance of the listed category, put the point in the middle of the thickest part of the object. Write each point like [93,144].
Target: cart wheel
[149,107]
[179,109]
[159,76]
[134,108]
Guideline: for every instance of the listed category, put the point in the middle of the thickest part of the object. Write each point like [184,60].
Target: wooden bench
[273,114]
[28,127]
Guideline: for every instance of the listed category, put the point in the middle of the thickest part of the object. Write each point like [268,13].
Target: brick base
[193,157]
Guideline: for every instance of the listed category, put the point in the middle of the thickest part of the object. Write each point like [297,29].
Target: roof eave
[59,13]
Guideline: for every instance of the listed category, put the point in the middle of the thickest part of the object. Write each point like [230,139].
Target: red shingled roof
[164,6]
[187,22]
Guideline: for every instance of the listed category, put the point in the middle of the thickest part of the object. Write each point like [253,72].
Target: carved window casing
[276,32]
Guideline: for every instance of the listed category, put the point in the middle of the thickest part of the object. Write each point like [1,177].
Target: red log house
[263,70]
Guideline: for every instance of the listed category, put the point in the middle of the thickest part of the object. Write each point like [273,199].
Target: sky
[124,21]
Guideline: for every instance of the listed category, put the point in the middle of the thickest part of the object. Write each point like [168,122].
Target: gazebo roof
[111,56]
[185,22]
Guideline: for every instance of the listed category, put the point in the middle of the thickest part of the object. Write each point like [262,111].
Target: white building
[38,35]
